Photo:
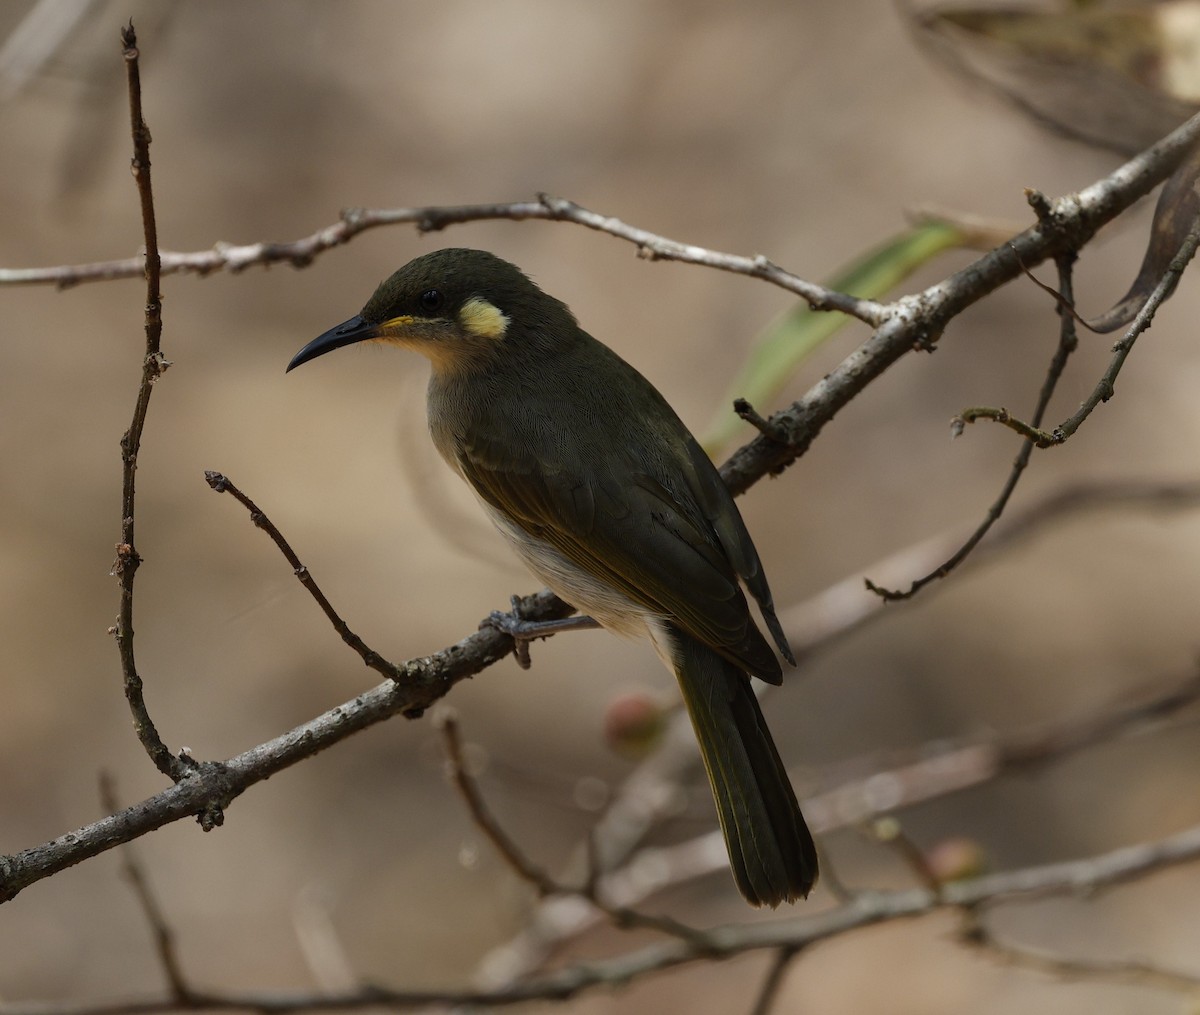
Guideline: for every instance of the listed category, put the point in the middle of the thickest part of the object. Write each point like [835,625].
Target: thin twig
[751,415]
[541,606]
[999,414]
[1106,388]
[888,831]
[164,937]
[481,814]
[841,609]
[1133,972]
[300,253]
[1067,343]
[1077,216]
[768,993]
[525,868]
[153,365]
[222,484]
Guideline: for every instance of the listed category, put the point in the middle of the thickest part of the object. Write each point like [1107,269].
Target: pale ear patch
[479,317]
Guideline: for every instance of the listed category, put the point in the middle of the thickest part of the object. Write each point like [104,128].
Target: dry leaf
[1116,78]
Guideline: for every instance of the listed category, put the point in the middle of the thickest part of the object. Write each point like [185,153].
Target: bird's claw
[523,631]
[520,630]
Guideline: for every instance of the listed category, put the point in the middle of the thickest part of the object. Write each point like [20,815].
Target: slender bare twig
[1076,217]
[891,833]
[1067,343]
[153,365]
[1106,387]
[1133,972]
[540,607]
[481,814]
[164,937]
[768,993]
[221,484]
[843,608]
[525,868]
[751,415]
[300,253]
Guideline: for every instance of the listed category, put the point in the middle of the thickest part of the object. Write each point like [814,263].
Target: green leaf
[795,334]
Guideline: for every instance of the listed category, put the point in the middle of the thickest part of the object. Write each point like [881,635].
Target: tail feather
[770,848]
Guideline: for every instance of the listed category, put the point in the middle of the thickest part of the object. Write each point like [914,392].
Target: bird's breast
[604,604]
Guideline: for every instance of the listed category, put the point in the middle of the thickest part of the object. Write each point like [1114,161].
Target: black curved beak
[346,333]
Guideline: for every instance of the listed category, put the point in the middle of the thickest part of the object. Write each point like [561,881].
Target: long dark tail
[770,848]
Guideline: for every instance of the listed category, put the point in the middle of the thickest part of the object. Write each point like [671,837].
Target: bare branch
[481,814]
[1067,343]
[769,991]
[1106,386]
[222,484]
[209,787]
[1073,218]
[999,414]
[839,610]
[153,365]
[1131,972]
[300,253]
[1074,877]
[525,868]
[164,937]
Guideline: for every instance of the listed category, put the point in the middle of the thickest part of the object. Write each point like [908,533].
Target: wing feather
[650,541]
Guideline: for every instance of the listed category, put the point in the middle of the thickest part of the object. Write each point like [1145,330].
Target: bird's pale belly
[604,604]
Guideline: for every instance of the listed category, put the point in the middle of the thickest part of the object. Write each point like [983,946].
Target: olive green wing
[719,509]
[651,537]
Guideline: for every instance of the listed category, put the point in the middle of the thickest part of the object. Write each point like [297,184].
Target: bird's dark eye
[431,299]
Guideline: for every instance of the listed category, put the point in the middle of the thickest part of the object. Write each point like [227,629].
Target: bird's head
[461,308]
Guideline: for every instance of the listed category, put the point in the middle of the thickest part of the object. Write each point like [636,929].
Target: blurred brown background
[798,130]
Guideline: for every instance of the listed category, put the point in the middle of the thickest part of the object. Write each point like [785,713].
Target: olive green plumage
[608,498]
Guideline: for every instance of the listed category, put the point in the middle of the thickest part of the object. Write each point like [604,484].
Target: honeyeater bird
[609,500]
